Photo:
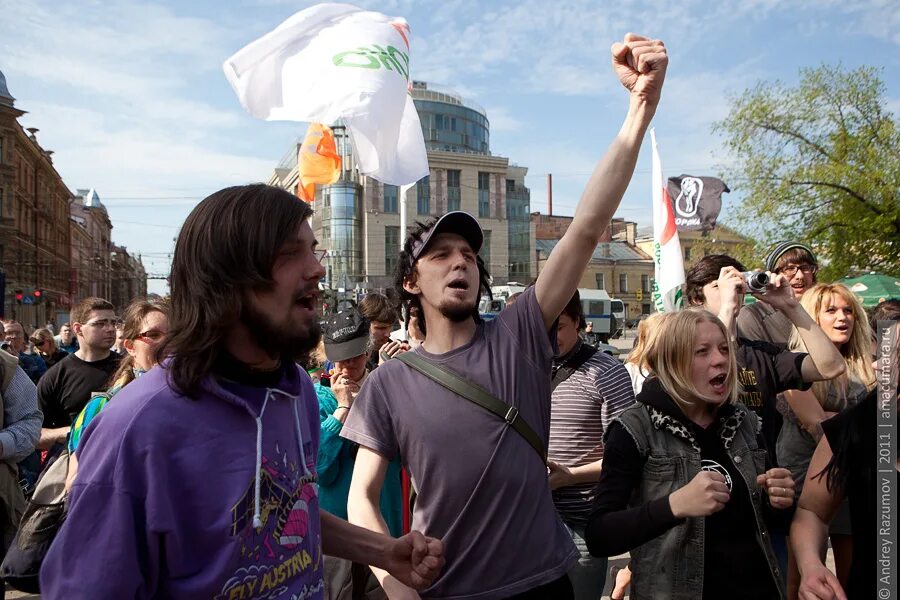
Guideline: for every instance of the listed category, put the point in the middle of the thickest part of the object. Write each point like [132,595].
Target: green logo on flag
[375,57]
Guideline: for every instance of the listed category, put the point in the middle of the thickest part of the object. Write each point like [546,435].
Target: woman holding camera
[685,485]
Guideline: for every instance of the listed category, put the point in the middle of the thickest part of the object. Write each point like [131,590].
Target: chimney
[550,194]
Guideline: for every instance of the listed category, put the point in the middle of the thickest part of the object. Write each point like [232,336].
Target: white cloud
[502,120]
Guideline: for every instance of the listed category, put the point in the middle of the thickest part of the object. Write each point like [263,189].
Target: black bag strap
[571,365]
[468,390]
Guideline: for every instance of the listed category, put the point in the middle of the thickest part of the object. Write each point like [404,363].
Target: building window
[687,253]
[453,192]
[423,196]
[623,282]
[645,283]
[485,252]
[1,150]
[601,281]
[390,198]
[645,309]
[391,248]
[484,194]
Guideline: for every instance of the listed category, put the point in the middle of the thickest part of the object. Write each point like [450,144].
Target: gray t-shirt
[482,488]
[762,322]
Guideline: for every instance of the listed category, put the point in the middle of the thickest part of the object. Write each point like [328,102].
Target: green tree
[819,163]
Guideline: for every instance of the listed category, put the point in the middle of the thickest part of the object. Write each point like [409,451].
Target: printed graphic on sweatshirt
[282,558]
[713,467]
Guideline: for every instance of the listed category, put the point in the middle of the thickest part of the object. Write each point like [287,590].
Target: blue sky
[131,97]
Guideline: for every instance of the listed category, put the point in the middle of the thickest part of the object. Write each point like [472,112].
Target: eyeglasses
[151,337]
[320,255]
[103,323]
[791,270]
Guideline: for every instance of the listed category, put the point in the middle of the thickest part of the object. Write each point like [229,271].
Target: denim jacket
[671,566]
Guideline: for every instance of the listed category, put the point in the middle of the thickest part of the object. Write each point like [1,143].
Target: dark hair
[227,246]
[406,270]
[378,307]
[132,321]
[886,310]
[706,271]
[82,311]
[575,311]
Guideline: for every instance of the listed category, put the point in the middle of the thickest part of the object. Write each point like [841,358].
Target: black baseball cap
[458,222]
[346,335]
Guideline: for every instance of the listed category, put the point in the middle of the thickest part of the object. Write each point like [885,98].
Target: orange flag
[318,162]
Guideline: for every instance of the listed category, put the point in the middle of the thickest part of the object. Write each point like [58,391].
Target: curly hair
[406,271]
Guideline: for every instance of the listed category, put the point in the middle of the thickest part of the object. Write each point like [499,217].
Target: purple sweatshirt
[182,498]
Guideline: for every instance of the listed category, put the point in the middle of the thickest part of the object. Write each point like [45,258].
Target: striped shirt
[582,408]
[22,418]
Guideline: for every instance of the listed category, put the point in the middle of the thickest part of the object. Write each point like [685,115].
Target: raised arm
[824,360]
[640,64]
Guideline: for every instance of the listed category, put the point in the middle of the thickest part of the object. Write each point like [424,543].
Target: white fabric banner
[667,257]
[337,61]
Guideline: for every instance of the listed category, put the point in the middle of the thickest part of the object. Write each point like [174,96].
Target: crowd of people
[231,442]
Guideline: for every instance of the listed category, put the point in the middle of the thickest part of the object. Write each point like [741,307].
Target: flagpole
[403,190]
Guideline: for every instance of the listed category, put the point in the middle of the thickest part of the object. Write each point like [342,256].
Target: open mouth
[307,301]
[458,284]
[842,328]
[718,383]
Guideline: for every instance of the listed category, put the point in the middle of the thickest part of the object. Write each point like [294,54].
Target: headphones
[779,250]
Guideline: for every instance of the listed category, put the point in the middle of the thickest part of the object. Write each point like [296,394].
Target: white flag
[667,258]
[334,61]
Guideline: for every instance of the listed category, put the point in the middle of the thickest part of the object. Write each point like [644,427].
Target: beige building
[695,244]
[617,264]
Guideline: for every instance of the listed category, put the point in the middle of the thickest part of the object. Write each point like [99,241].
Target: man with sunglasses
[762,322]
[68,385]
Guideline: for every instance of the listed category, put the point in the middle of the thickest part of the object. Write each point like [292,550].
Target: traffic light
[38,296]
[19,296]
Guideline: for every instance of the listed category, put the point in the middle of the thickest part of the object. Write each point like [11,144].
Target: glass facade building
[450,124]
[342,232]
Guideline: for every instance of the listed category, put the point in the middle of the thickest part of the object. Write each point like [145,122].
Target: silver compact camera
[756,281]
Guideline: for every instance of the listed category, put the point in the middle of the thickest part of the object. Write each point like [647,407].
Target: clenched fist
[640,64]
[704,495]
